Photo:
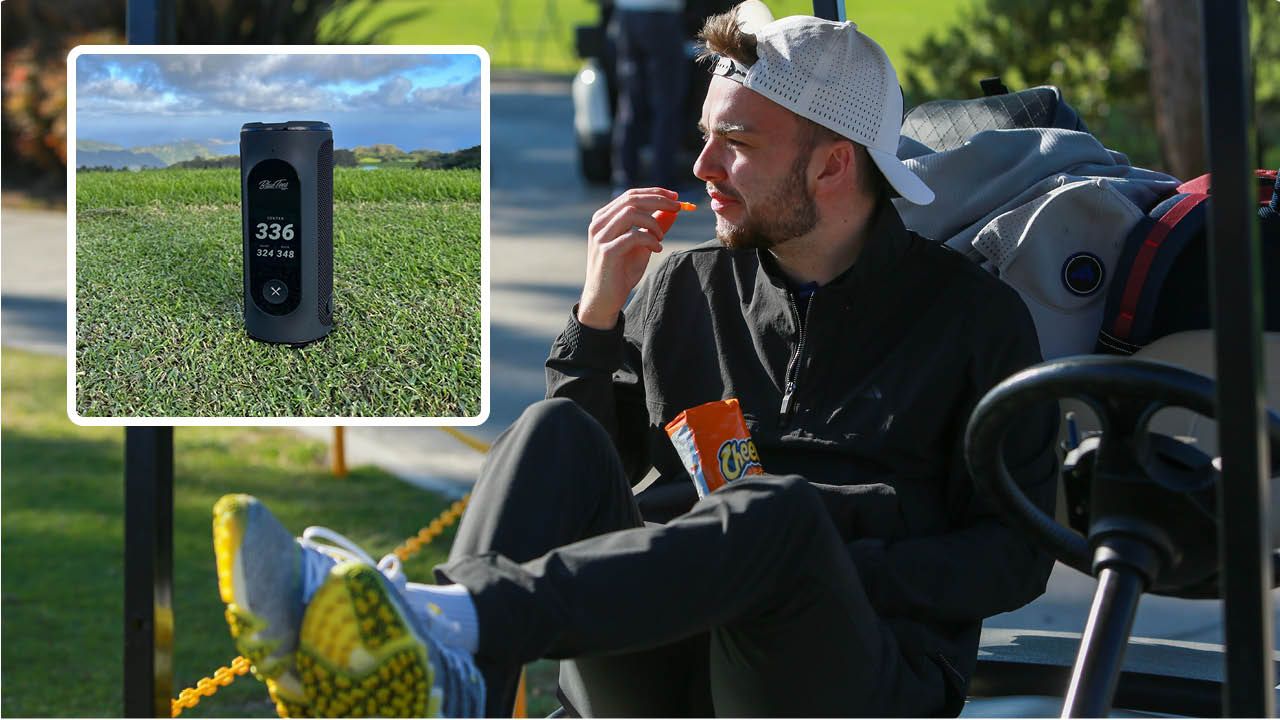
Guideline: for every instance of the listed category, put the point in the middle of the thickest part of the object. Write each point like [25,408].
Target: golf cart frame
[1110,668]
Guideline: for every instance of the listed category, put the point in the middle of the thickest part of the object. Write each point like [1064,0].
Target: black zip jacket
[868,399]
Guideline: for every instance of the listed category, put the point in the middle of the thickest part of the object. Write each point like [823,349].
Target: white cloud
[391,94]
[296,84]
[114,94]
[461,96]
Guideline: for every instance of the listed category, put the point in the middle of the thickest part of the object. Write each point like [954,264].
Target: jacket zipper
[793,367]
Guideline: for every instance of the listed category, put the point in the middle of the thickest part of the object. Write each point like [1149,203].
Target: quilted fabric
[946,124]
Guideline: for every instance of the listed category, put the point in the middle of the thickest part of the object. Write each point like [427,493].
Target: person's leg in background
[551,479]
[628,136]
[758,564]
[666,79]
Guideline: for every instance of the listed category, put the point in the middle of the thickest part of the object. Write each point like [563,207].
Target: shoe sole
[249,630]
[358,653]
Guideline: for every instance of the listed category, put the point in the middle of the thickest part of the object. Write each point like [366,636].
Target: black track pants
[746,605]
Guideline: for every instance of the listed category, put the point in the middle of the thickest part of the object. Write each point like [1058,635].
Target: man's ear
[839,169]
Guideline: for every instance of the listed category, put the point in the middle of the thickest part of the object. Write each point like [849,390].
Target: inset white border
[485,194]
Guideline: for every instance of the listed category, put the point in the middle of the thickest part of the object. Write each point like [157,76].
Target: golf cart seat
[946,124]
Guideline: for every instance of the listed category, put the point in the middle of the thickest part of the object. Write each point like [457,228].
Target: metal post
[1237,317]
[828,9]
[1101,656]
[339,451]
[148,571]
[150,22]
[148,498]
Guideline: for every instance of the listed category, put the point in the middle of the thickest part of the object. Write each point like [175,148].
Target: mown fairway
[159,324]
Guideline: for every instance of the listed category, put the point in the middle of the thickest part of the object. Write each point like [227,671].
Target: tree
[1174,50]
[1131,68]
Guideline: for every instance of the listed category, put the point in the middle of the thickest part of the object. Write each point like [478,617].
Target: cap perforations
[832,74]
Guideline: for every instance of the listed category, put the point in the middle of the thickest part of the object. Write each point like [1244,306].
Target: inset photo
[263,237]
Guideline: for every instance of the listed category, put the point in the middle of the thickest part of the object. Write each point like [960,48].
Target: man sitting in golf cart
[852,579]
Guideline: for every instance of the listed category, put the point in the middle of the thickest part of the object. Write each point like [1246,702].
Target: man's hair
[722,36]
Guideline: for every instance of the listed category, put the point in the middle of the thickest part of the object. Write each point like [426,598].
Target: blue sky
[413,101]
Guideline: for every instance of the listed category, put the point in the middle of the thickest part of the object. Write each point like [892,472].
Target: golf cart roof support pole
[148,498]
[148,571]
[1097,668]
[1237,317]
[828,9]
[150,22]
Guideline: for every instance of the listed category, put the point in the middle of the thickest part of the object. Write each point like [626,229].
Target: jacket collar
[886,244]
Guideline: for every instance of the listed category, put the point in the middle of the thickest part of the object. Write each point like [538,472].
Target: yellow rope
[433,530]
[473,443]
[224,676]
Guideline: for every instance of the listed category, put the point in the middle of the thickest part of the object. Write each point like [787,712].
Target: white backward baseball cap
[834,75]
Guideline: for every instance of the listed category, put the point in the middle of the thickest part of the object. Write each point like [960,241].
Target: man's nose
[707,167]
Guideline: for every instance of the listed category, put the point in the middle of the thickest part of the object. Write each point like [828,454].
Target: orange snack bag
[713,441]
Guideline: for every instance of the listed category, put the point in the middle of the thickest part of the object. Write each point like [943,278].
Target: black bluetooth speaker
[286,197]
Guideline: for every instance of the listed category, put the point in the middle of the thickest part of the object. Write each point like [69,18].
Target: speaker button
[275,292]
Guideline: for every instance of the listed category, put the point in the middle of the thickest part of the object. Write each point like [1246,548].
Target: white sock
[450,612]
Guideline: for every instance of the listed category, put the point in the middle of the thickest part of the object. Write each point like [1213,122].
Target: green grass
[536,38]
[62,524]
[159,304]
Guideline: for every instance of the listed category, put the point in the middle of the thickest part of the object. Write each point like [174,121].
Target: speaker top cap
[305,125]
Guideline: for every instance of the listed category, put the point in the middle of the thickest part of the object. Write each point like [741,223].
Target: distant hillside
[466,159]
[203,163]
[178,151]
[381,152]
[420,155]
[95,153]
[341,158]
[96,146]
[190,154]
[117,159]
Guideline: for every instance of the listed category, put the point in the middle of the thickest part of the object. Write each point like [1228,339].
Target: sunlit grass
[159,305]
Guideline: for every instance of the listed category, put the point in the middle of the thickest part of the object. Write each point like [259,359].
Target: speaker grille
[324,232]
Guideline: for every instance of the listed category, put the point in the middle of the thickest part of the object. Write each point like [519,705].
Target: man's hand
[620,239]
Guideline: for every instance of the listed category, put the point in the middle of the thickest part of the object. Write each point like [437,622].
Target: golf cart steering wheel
[1125,394]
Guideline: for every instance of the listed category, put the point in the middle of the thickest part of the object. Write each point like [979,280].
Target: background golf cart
[595,90]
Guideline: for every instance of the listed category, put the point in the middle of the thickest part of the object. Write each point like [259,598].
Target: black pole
[150,22]
[827,9]
[148,571]
[1237,317]
[1106,634]
[148,498]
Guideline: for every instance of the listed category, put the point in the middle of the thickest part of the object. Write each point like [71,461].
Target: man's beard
[787,213]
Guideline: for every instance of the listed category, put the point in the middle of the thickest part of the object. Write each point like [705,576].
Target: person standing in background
[648,38]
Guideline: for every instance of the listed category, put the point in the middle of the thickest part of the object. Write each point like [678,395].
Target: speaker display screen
[273,236]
